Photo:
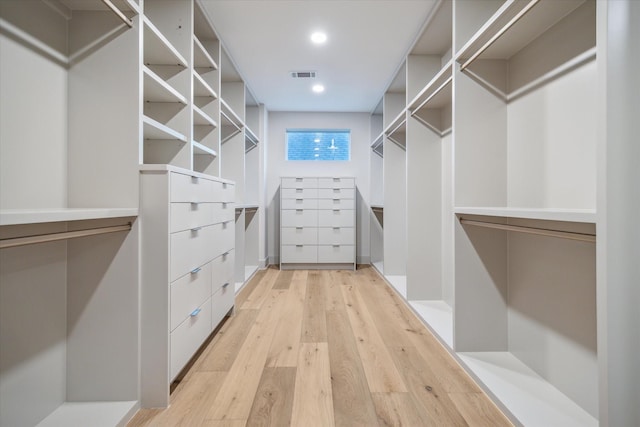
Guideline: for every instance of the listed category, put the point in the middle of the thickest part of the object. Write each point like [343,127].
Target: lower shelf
[530,398]
[438,315]
[95,414]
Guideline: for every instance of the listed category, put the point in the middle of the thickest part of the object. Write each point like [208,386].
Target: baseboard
[363,259]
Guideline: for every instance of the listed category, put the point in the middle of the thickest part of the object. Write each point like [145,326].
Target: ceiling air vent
[303,74]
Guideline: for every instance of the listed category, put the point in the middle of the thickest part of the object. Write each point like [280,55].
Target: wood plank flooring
[323,348]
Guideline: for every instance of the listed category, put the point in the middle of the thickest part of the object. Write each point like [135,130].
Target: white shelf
[202,88]
[201,57]
[427,98]
[158,90]
[531,399]
[569,215]
[498,39]
[250,140]
[397,130]
[230,127]
[438,315]
[151,168]
[230,114]
[95,414]
[157,49]
[156,130]
[200,118]
[203,150]
[399,283]
[378,145]
[36,216]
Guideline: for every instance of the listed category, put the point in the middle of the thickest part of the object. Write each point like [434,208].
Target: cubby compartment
[530,143]
[376,220]
[525,315]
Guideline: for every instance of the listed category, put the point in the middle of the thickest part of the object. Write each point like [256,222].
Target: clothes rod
[582,237]
[65,235]
[118,12]
[499,34]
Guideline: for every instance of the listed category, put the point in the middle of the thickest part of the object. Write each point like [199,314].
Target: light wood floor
[323,348]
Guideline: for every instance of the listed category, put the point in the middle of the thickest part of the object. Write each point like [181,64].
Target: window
[318,144]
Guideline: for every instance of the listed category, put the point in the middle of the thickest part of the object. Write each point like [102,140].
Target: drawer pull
[336,228]
[194,179]
[299,228]
[225,285]
[195,203]
[196,270]
[336,246]
[195,312]
[336,200]
[336,210]
[226,253]
[195,230]
[299,210]
[299,200]
[299,246]
[336,179]
[224,185]
[299,190]
[298,179]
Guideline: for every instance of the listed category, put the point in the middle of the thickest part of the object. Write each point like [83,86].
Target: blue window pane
[318,145]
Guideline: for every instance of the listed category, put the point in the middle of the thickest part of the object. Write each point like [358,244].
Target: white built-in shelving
[68,213]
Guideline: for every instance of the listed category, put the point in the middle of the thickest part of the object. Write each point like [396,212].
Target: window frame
[316,130]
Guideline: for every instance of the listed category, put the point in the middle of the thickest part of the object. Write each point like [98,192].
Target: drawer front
[188,337]
[188,293]
[336,253]
[185,216]
[336,182]
[300,203]
[221,303]
[336,236]
[185,188]
[224,192]
[299,183]
[336,203]
[293,193]
[193,248]
[299,218]
[299,236]
[336,218]
[336,193]
[222,271]
[299,254]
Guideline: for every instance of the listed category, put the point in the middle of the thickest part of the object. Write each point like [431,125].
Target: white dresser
[187,256]
[317,222]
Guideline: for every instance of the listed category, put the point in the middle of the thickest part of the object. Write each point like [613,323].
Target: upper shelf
[231,123]
[432,106]
[251,140]
[397,130]
[201,88]
[568,215]
[157,49]
[37,216]
[378,145]
[514,26]
[158,90]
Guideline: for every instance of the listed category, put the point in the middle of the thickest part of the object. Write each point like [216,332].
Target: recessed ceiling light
[318,37]
[318,88]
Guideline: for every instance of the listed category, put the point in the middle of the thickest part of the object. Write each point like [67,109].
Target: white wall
[277,166]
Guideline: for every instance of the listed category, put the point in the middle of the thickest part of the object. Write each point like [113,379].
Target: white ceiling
[367,42]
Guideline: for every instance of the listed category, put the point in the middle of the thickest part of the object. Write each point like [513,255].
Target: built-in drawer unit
[336,235]
[299,235]
[187,268]
[317,211]
[336,253]
[299,254]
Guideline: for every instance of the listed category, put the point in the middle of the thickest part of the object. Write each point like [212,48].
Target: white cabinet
[187,262]
[317,221]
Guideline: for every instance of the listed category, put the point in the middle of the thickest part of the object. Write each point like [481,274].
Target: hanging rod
[582,237]
[118,12]
[65,235]
[499,34]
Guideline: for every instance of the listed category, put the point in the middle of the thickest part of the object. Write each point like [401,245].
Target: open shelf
[531,399]
[569,215]
[250,140]
[36,216]
[158,90]
[201,149]
[432,106]
[157,49]
[378,145]
[397,130]
[201,88]
[153,129]
[438,315]
[202,60]
[200,118]
[98,414]
[231,123]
